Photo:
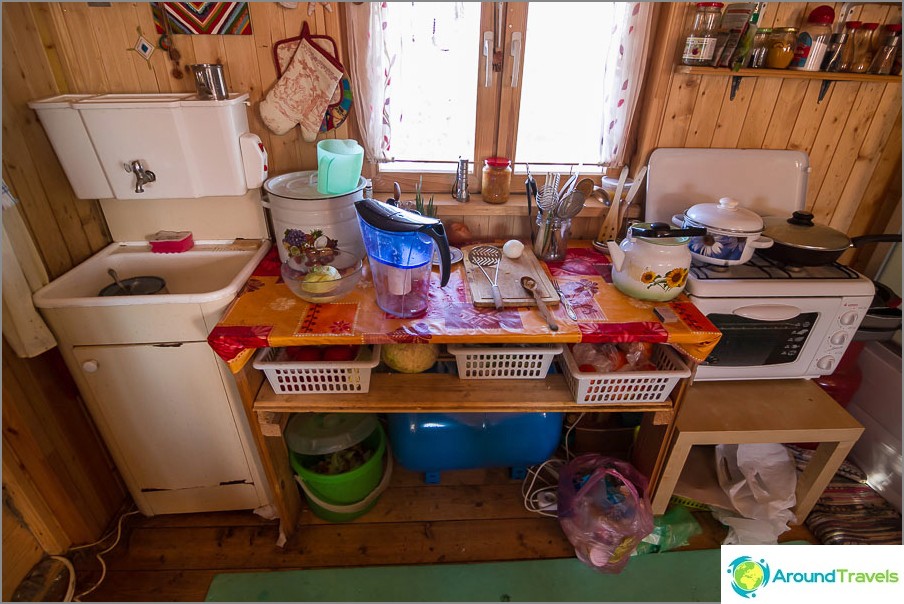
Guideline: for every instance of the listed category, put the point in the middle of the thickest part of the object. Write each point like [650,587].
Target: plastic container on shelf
[477,362]
[626,386]
[307,377]
[435,442]
[781,47]
[700,43]
[496,179]
[813,39]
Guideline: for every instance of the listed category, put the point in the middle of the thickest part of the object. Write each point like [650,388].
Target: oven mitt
[303,93]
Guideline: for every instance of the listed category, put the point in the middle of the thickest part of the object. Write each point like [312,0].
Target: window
[548,83]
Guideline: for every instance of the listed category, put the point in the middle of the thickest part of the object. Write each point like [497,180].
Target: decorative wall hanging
[224,18]
[144,48]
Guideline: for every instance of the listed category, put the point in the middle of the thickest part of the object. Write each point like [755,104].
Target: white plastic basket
[626,386]
[503,362]
[294,377]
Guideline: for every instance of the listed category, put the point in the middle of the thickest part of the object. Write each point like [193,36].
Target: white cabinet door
[165,414]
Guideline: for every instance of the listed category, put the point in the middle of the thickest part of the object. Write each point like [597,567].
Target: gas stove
[777,321]
[764,276]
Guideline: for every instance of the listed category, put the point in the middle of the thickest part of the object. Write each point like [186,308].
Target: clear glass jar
[884,59]
[496,179]
[760,47]
[551,240]
[849,52]
[835,53]
[863,53]
[700,43]
[781,47]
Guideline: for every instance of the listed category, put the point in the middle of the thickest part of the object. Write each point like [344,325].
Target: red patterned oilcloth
[267,313]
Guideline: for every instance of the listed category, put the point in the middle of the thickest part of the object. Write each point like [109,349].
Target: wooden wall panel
[20,551]
[845,134]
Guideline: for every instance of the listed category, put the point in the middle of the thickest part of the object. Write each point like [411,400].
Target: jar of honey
[781,47]
[496,179]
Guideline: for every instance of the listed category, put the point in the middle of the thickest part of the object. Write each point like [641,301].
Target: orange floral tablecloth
[267,314]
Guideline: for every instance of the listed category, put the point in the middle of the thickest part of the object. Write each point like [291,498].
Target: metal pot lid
[800,231]
[300,185]
[323,433]
[727,216]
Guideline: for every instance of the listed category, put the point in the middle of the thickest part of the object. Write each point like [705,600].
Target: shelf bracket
[823,90]
[735,84]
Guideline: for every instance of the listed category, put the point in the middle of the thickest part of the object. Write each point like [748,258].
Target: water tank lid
[152,100]
[301,185]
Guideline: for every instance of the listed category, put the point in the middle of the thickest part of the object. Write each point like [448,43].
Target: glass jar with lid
[850,51]
[700,43]
[496,179]
[760,48]
[863,52]
[781,47]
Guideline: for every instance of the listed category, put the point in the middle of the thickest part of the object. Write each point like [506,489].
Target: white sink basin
[201,282]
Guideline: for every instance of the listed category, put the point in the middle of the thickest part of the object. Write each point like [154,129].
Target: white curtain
[23,274]
[370,73]
[628,58]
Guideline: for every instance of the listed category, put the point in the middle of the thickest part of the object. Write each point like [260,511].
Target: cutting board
[509,280]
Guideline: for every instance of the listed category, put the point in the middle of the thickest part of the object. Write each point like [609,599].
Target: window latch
[516,54]
[488,57]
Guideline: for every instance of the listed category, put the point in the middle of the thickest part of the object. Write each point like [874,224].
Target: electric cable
[543,500]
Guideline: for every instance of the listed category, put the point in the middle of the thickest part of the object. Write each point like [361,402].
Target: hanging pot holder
[341,101]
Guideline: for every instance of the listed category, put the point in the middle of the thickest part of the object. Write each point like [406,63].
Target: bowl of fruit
[318,270]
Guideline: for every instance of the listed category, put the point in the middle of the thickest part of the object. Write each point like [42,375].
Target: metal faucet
[142,176]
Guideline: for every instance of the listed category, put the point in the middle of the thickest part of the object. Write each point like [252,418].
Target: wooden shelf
[789,73]
[443,393]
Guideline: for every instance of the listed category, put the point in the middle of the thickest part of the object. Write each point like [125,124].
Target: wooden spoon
[609,228]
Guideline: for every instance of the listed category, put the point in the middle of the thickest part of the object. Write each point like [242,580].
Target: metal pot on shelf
[799,241]
[732,234]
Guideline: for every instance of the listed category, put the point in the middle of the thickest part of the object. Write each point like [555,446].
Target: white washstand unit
[165,403]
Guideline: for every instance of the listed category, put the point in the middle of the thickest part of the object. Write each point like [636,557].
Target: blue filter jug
[400,244]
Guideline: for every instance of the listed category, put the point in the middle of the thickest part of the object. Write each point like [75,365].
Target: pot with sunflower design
[653,261]
[732,235]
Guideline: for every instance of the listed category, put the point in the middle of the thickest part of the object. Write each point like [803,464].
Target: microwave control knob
[838,338]
[826,363]
[849,318]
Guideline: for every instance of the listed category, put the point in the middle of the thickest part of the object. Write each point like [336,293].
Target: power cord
[70,590]
[543,498]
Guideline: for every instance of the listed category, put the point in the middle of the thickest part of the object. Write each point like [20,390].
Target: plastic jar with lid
[781,47]
[496,179]
[700,43]
[813,39]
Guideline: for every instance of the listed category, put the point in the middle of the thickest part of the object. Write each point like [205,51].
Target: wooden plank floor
[472,516]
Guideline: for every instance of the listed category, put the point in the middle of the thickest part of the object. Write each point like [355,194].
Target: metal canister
[210,82]
[460,187]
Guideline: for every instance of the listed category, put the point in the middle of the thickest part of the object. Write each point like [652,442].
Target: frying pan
[799,241]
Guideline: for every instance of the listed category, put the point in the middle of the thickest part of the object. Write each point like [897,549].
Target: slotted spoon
[488,255]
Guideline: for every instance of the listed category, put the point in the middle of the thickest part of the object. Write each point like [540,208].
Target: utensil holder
[551,241]
[210,82]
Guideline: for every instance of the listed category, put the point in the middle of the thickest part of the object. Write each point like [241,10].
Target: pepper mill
[460,187]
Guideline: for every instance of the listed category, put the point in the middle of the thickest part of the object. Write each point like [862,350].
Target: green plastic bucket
[345,493]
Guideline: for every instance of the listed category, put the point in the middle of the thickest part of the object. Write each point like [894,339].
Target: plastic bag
[604,510]
[761,480]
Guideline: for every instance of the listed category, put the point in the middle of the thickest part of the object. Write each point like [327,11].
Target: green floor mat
[691,576]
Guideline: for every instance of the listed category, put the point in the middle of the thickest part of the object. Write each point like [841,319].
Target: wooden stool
[762,411]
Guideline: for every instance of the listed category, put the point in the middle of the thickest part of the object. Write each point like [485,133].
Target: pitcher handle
[438,233]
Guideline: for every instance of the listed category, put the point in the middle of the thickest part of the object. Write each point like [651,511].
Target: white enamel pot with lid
[732,235]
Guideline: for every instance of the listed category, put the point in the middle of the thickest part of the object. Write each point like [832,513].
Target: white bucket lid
[299,185]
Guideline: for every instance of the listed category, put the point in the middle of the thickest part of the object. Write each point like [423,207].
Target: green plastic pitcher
[339,163]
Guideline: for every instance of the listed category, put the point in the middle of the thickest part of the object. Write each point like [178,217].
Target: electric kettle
[400,244]
[653,261]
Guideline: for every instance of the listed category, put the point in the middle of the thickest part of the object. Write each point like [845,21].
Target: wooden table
[267,314]
[762,411]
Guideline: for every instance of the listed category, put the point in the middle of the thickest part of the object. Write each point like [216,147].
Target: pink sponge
[171,242]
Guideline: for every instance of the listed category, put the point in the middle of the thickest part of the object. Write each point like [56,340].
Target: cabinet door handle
[516,53]
[90,366]
[768,312]
[168,345]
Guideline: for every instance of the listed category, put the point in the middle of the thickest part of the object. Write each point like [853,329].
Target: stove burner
[759,267]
